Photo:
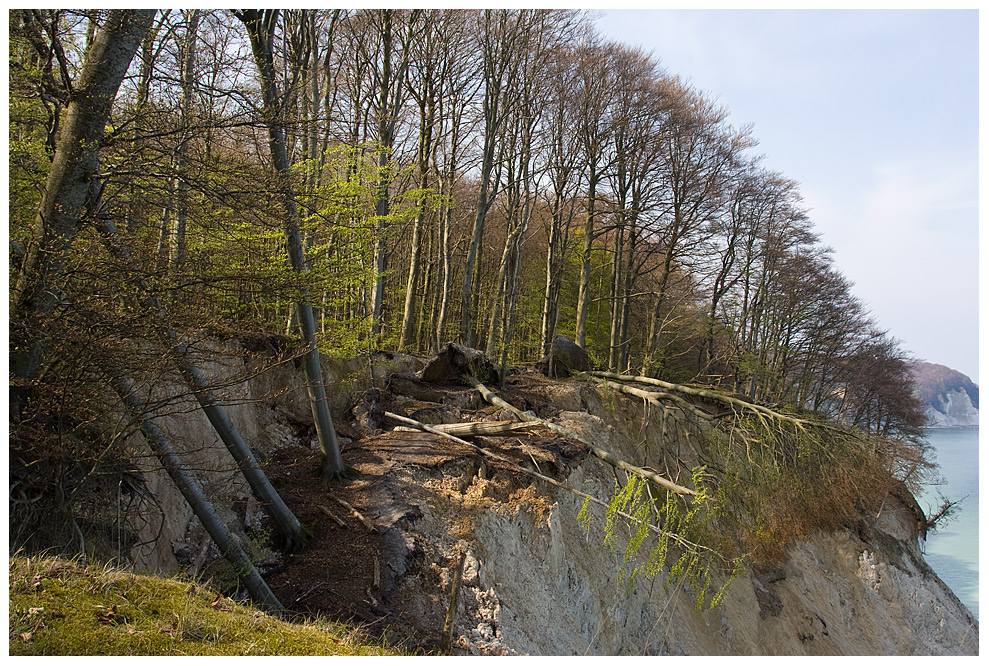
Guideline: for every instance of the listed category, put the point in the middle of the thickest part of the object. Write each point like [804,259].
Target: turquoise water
[953,550]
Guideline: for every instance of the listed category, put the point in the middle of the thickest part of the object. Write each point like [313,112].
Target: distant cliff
[950,398]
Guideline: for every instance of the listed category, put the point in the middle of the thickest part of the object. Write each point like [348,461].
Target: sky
[875,114]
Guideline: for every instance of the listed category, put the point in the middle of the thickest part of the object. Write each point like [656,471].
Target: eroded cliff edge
[535,580]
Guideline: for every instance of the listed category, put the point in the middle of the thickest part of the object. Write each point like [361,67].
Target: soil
[348,571]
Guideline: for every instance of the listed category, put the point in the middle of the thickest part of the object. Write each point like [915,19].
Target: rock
[455,361]
[566,358]
[368,411]
[409,385]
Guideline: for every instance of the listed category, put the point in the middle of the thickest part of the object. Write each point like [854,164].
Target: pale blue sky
[875,114]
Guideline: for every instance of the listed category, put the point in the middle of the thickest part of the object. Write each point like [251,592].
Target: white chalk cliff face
[950,398]
[953,409]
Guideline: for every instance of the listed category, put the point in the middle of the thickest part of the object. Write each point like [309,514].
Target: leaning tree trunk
[75,163]
[260,28]
[287,523]
[193,493]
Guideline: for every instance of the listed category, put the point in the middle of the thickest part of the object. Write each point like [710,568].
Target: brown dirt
[334,576]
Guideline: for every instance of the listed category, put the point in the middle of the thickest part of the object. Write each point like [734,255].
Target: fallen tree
[193,493]
[559,484]
[657,398]
[606,456]
[482,427]
[713,396]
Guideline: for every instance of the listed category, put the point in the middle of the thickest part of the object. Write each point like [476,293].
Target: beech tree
[261,30]
[697,152]
[75,164]
[415,168]
[501,33]
[564,178]
[596,87]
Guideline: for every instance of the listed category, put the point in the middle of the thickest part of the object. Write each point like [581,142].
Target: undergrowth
[768,483]
[63,607]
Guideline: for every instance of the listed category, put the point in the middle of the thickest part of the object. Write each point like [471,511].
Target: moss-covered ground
[62,607]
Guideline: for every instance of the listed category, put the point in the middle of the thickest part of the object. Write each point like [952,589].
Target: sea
[953,549]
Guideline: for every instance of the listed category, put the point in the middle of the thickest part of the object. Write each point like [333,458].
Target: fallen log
[566,486]
[606,456]
[656,398]
[709,395]
[478,427]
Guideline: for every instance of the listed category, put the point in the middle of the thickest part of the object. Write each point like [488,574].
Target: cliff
[537,577]
[950,398]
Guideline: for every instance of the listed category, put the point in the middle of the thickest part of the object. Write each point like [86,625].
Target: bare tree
[596,86]
[698,150]
[501,32]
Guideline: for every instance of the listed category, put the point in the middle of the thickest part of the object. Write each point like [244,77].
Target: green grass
[62,607]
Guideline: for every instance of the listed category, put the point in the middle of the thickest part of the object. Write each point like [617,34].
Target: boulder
[454,362]
[566,357]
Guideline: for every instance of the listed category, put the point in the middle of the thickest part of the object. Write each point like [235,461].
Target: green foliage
[677,531]
[28,159]
[343,229]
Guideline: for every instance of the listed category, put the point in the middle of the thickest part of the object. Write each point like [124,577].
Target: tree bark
[193,493]
[260,28]
[75,164]
[286,522]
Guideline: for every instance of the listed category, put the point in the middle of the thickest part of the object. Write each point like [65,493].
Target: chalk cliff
[950,398]
[535,580]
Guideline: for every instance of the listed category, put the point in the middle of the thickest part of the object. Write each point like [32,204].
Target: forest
[351,181]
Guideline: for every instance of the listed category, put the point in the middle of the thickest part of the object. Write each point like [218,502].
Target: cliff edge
[537,576]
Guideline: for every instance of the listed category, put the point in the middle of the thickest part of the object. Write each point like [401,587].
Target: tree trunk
[260,28]
[584,294]
[75,164]
[178,251]
[288,525]
[193,493]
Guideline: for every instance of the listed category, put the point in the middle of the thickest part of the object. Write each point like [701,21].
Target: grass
[63,607]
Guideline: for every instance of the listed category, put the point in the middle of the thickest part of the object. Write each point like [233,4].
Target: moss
[60,607]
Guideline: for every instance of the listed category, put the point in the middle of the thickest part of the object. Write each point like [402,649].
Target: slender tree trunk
[260,28]
[193,493]
[584,294]
[446,216]
[178,251]
[286,522]
[617,273]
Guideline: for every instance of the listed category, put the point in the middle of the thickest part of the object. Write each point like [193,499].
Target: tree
[563,176]
[501,32]
[74,166]
[261,30]
[697,153]
[596,86]
[460,78]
